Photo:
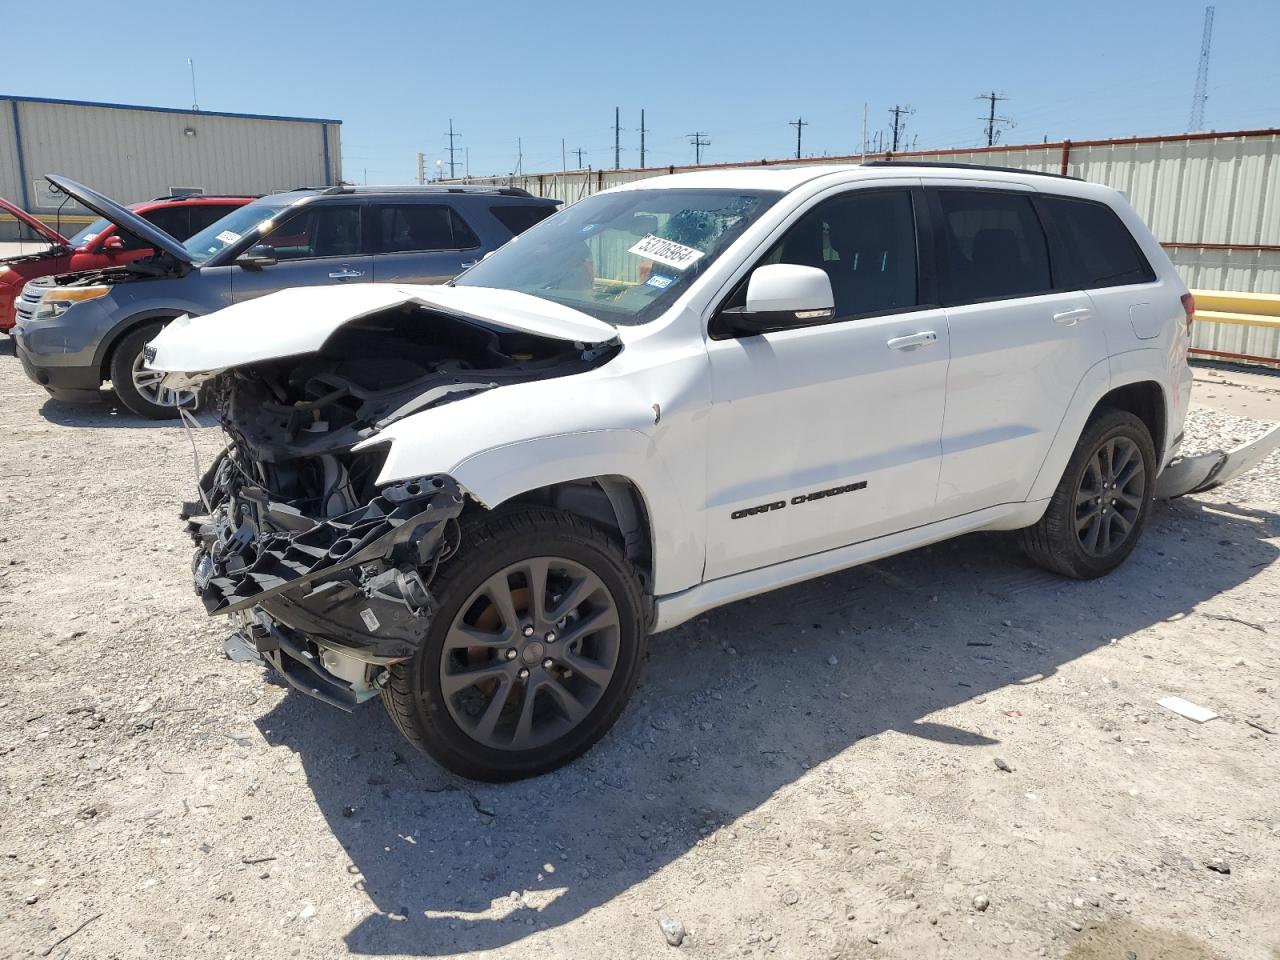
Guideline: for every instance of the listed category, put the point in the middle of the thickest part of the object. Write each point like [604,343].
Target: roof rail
[964,166]
[416,188]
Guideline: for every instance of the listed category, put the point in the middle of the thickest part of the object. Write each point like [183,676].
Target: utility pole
[519,155]
[699,140]
[992,121]
[864,132]
[643,131]
[195,101]
[564,157]
[898,123]
[579,151]
[617,138]
[1202,76]
[799,123]
[452,150]
[422,169]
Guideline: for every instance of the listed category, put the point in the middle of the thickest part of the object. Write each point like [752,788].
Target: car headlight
[57,301]
[4,269]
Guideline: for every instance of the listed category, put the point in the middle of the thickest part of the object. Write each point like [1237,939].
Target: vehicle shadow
[731,708]
[109,413]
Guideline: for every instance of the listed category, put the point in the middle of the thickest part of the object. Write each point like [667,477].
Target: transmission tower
[1202,75]
[899,124]
[452,150]
[699,140]
[991,120]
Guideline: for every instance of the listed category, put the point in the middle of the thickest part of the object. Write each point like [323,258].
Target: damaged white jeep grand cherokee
[475,501]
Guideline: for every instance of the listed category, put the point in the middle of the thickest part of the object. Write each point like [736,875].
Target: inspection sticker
[659,281]
[227,236]
[667,251]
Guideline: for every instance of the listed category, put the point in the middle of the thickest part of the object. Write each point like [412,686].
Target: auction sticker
[667,251]
[228,237]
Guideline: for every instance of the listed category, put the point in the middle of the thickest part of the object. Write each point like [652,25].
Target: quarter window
[520,217]
[995,247]
[413,227]
[866,243]
[1093,247]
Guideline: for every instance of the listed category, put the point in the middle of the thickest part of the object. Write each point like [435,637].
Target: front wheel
[1097,514]
[137,387]
[533,651]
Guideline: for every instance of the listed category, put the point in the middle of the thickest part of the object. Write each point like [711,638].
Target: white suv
[477,500]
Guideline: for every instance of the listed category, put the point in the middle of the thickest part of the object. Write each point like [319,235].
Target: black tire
[414,695]
[1057,541]
[124,355]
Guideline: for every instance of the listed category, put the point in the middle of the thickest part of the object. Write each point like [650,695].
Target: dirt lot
[810,774]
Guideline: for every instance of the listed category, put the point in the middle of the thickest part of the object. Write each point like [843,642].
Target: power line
[991,120]
[799,123]
[1202,75]
[453,167]
[898,123]
[699,141]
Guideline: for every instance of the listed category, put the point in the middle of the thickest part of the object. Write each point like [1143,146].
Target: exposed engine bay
[327,574]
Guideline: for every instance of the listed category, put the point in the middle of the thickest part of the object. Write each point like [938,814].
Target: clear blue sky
[395,73]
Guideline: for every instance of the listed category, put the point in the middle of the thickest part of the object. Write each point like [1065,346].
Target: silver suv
[77,330]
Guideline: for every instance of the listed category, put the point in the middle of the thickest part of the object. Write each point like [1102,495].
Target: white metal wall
[1220,190]
[135,154]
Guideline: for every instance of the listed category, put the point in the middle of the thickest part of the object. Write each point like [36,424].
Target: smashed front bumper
[329,602]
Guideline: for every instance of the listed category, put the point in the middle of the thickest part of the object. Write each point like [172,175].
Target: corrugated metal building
[1212,199]
[136,153]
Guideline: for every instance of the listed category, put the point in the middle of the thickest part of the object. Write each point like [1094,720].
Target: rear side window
[416,227]
[1093,247]
[175,221]
[519,217]
[995,247]
[205,214]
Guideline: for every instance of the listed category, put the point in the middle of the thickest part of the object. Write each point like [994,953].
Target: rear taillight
[1189,305]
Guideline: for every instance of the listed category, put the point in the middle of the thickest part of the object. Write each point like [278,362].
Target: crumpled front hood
[298,321]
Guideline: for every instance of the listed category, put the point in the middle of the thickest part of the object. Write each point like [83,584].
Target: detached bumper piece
[285,652]
[1208,470]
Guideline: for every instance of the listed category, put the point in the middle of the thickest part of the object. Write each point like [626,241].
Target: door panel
[317,246]
[827,435]
[420,242]
[800,413]
[1017,354]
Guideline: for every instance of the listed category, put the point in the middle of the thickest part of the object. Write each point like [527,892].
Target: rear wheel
[533,651]
[137,387]
[1097,514]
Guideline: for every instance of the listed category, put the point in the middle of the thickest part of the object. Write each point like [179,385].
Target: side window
[520,217]
[995,247]
[175,221]
[415,227]
[866,242]
[318,230]
[207,214]
[1092,247]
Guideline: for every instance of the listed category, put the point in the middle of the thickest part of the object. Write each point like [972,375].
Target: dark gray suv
[77,330]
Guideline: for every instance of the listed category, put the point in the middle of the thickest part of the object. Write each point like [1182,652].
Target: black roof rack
[412,188]
[964,166]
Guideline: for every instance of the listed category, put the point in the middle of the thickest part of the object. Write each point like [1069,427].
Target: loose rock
[673,930]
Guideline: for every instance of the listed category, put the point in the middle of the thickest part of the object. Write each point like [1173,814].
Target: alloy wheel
[1110,496]
[147,383]
[530,653]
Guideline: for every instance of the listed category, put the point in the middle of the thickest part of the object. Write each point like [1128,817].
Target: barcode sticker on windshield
[667,251]
[227,236]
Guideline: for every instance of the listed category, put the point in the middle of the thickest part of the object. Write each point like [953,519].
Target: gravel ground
[949,753]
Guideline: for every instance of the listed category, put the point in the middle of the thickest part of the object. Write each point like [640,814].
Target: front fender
[505,442]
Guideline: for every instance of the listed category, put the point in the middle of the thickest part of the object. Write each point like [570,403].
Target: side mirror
[258,256]
[113,244]
[781,296]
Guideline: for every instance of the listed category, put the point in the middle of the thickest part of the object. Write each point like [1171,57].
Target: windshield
[622,257]
[88,233]
[223,233]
